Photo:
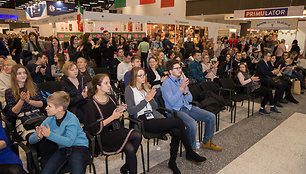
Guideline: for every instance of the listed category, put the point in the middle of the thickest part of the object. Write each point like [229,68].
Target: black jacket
[151,77]
[107,53]
[73,54]
[76,97]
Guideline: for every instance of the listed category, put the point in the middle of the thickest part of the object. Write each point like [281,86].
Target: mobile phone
[120,108]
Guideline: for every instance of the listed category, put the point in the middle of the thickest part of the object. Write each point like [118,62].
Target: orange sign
[144,2]
[167,3]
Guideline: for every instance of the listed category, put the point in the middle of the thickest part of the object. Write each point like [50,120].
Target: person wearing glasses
[177,97]
[141,104]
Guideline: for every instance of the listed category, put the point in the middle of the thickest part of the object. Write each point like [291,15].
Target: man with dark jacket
[38,69]
[189,46]
[266,73]
[107,48]
[167,44]
[15,47]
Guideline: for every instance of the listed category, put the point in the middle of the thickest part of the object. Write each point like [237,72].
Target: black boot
[123,169]
[172,165]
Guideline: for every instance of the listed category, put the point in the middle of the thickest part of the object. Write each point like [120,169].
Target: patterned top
[12,101]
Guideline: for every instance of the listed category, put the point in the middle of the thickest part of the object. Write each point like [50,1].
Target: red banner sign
[144,2]
[167,3]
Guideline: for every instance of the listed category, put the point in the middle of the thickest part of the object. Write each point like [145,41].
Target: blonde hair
[59,98]
[29,85]
[133,78]
[12,62]
[67,66]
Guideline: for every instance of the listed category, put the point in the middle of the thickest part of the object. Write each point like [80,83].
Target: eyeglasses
[178,68]
[141,75]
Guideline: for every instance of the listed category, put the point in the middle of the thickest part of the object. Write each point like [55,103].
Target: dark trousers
[175,127]
[77,158]
[267,94]
[130,150]
[11,169]
[144,57]
[279,88]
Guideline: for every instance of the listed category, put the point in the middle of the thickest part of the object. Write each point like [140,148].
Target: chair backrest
[227,83]
[210,86]
[101,70]
[195,91]
[50,86]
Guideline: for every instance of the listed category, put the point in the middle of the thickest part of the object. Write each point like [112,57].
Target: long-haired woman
[103,114]
[55,48]
[56,68]
[23,96]
[32,47]
[140,103]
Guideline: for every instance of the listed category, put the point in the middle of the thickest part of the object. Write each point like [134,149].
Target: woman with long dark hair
[74,50]
[32,47]
[55,48]
[141,104]
[103,113]
[88,46]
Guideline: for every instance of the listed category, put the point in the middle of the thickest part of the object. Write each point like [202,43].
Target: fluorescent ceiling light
[100,1]
[94,3]
[86,5]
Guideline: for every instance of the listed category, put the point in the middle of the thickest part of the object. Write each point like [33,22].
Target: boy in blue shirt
[63,128]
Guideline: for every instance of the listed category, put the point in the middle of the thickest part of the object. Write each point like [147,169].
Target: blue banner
[58,8]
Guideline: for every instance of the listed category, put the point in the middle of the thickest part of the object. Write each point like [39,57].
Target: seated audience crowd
[93,75]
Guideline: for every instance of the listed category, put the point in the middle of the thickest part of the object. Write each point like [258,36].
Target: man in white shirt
[124,66]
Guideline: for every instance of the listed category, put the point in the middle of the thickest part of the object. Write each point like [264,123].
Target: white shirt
[138,97]
[122,69]
[156,79]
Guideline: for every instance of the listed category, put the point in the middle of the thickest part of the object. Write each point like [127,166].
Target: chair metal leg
[199,130]
[142,159]
[253,106]
[106,164]
[232,109]
[181,149]
[148,157]
[248,107]
[235,107]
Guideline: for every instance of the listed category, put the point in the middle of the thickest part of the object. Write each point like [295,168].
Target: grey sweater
[133,109]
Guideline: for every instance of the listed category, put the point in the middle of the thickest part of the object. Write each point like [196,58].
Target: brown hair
[61,59]
[59,98]
[133,78]
[29,85]
[85,38]
[96,80]
[67,66]
[163,63]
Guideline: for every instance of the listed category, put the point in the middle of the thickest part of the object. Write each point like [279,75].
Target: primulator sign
[266,13]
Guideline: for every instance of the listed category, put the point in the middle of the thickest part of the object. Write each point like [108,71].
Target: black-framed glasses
[178,68]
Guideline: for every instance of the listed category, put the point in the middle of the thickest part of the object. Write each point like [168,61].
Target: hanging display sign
[48,8]
[166,3]
[144,2]
[292,11]
[58,8]
[274,24]
[37,11]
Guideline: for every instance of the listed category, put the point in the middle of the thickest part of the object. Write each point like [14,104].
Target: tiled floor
[282,151]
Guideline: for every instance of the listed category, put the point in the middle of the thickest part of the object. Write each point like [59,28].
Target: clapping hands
[43,131]
[25,96]
[150,94]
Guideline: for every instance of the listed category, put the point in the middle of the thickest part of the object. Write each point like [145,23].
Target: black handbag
[32,119]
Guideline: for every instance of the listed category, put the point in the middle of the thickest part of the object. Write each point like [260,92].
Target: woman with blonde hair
[5,79]
[75,85]
[141,104]
[23,97]
[84,70]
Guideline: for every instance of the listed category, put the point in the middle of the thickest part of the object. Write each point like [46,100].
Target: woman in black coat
[54,49]
[74,50]
[75,86]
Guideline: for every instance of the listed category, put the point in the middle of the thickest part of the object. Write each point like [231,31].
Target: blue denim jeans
[190,117]
[75,157]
